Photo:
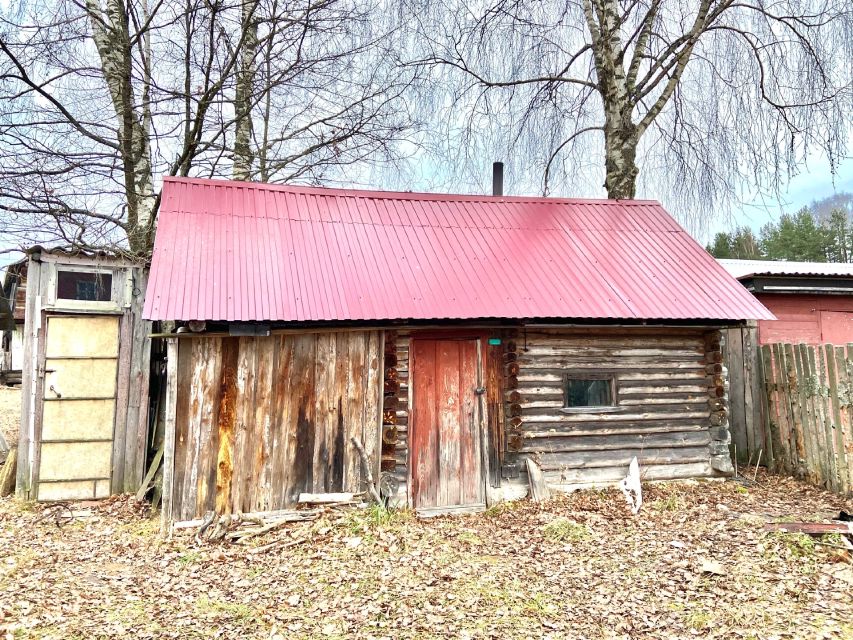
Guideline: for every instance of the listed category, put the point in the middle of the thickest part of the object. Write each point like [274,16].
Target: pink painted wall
[807,318]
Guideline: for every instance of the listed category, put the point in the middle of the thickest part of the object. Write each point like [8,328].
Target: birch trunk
[110,30]
[244,94]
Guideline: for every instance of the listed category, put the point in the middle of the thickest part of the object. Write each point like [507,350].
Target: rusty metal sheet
[247,251]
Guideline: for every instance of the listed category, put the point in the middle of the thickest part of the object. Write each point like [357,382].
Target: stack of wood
[718,399]
[8,460]
[239,528]
[10,378]
[514,437]
[390,403]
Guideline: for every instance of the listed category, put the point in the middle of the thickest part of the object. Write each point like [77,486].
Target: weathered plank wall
[809,404]
[260,419]
[745,394]
[670,411]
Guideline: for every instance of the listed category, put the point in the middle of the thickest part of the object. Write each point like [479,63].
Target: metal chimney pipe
[497,178]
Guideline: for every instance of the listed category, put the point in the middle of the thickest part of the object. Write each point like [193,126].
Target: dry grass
[579,566]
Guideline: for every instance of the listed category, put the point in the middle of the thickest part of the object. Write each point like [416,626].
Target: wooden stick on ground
[152,470]
[365,462]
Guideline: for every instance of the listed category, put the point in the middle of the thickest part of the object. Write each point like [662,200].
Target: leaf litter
[694,563]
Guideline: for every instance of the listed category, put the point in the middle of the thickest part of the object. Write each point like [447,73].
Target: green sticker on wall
[494,341]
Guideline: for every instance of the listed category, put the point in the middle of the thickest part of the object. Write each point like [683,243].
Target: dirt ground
[695,563]
[10,413]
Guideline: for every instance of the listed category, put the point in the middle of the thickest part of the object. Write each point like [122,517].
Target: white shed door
[81,355]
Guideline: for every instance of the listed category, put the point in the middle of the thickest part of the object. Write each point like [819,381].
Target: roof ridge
[379,194]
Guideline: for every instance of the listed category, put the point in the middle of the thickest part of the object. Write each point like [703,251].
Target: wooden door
[445,447]
[78,407]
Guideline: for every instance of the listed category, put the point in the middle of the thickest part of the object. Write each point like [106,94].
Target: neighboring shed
[13,295]
[84,421]
[812,301]
[455,336]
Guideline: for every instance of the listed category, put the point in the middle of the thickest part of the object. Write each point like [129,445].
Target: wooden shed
[13,293]
[812,301]
[454,336]
[84,421]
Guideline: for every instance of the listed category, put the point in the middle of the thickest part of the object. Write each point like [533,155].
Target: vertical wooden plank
[209,382]
[826,425]
[451,413]
[375,367]
[423,445]
[843,356]
[784,381]
[753,407]
[337,437]
[770,412]
[794,372]
[140,370]
[837,427]
[184,366]
[169,433]
[242,481]
[302,420]
[494,411]
[260,496]
[737,412]
[776,398]
[226,427]
[283,435]
[803,375]
[821,443]
[470,469]
[324,367]
[120,430]
[354,409]
[24,489]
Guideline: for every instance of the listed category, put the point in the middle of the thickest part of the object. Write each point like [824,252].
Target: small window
[593,391]
[84,285]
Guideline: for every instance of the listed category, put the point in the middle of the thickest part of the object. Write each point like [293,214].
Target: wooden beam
[169,445]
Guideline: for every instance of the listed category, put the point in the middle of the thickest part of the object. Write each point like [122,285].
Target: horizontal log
[713,356]
[325,498]
[668,404]
[542,376]
[566,478]
[550,430]
[513,369]
[513,396]
[596,362]
[570,418]
[617,441]
[621,339]
[714,369]
[647,456]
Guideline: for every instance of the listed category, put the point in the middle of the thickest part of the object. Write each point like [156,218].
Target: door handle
[58,395]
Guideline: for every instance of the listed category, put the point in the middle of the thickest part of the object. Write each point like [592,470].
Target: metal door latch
[480,390]
[58,395]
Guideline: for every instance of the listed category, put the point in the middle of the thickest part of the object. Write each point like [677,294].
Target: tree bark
[110,29]
[620,155]
[244,94]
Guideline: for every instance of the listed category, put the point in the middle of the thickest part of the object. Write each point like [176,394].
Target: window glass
[589,392]
[84,285]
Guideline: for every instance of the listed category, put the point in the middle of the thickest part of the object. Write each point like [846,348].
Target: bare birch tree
[101,98]
[709,97]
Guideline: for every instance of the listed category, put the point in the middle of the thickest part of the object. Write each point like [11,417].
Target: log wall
[671,409]
[259,420]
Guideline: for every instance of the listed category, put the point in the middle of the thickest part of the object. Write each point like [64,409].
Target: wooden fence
[806,413]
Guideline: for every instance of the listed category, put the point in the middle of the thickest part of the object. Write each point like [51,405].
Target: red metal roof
[247,251]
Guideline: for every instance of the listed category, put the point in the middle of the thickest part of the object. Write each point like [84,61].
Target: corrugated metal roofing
[747,268]
[247,251]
